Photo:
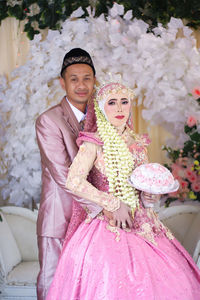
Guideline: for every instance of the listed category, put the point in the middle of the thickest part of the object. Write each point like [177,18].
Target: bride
[133,255]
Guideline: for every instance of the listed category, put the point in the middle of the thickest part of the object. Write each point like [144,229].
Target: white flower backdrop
[162,67]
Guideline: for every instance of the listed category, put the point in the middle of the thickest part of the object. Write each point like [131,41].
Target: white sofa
[19,264]
[184,222]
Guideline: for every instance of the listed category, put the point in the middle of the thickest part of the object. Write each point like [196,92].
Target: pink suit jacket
[57,130]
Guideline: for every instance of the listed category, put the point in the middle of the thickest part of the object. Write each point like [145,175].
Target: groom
[57,130]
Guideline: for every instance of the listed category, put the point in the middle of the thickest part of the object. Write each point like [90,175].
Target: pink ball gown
[101,262]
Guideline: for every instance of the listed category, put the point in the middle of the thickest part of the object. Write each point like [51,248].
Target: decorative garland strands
[41,15]
[118,161]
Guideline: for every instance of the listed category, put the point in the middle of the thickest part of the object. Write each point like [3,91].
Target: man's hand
[122,217]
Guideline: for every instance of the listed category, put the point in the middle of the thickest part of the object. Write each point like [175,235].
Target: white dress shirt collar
[80,116]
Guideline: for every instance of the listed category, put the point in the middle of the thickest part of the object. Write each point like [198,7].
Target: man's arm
[55,156]
[52,150]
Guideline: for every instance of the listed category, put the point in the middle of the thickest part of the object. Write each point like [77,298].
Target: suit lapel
[70,117]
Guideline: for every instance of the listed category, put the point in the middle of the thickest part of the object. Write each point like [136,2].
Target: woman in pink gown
[135,257]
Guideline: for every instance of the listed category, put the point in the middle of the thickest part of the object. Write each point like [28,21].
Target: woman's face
[117,109]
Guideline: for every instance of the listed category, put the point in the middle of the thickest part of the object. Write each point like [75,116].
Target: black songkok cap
[77,56]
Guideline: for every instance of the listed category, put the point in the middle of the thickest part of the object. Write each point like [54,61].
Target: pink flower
[191,121]
[189,172]
[184,184]
[191,176]
[196,186]
[196,93]
[183,188]
[178,171]
[175,169]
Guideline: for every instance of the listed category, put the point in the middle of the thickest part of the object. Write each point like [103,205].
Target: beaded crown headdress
[104,90]
[112,87]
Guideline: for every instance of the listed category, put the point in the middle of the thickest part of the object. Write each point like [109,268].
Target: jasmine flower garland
[118,161]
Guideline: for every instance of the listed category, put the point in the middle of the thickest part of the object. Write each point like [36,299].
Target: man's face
[78,82]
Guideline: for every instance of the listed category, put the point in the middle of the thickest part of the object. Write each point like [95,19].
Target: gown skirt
[94,265]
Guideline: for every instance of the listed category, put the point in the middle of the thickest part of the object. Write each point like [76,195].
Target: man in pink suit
[57,130]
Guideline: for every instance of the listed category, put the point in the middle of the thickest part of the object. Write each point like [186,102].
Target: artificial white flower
[161,68]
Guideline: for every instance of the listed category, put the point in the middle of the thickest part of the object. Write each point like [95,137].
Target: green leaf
[188,147]
[30,31]
[168,167]
[195,136]
[170,200]
[17,12]
[3,10]
[54,12]
[172,154]
[188,129]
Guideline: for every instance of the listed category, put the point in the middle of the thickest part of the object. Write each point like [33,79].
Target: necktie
[82,122]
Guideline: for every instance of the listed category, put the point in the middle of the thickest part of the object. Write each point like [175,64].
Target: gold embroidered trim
[115,230]
[88,219]
[147,233]
[169,234]
[100,216]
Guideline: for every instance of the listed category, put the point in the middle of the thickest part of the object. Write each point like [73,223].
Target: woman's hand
[108,214]
[122,217]
[149,199]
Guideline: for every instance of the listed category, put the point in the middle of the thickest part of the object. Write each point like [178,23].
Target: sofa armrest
[191,240]
[22,223]
[179,219]
[9,252]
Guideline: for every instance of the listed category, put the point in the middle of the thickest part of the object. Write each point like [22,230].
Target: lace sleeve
[77,178]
